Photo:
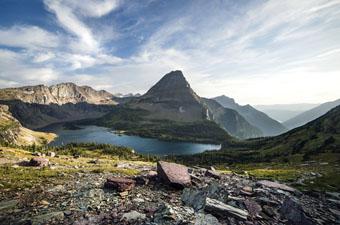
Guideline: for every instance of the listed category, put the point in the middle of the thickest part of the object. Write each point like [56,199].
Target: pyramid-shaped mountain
[172,98]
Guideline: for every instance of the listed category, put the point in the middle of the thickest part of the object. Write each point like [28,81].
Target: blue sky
[259,52]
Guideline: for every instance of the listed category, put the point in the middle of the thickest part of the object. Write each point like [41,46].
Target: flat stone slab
[174,174]
[220,209]
[120,184]
[272,184]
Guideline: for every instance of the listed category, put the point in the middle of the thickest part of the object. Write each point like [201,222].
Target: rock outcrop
[12,132]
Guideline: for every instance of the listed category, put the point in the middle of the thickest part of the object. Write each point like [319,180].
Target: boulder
[292,210]
[38,162]
[120,184]
[220,209]
[276,185]
[174,174]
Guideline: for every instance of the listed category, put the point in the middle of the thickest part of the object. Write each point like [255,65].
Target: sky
[256,51]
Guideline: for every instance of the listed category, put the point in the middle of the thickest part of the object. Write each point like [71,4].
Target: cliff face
[12,132]
[57,94]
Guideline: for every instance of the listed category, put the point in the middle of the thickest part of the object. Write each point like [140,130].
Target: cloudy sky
[257,51]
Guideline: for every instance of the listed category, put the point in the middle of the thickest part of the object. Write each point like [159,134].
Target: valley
[98,159]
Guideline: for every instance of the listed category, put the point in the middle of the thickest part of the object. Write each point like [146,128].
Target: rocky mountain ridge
[57,94]
[267,125]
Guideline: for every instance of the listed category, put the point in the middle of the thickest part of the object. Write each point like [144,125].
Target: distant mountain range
[311,114]
[267,125]
[169,110]
[284,112]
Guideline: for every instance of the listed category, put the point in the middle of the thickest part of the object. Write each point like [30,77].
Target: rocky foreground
[167,194]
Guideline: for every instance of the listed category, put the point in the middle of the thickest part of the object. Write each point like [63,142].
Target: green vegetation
[92,150]
[102,159]
[16,178]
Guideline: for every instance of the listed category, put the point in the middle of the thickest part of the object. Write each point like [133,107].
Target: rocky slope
[311,114]
[133,192]
[267,125]
[57,94]
[12,132]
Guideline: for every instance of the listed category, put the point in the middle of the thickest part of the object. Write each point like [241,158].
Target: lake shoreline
[142,145]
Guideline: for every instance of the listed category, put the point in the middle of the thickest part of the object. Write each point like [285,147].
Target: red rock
[38,162]
[174,174]
[119,183]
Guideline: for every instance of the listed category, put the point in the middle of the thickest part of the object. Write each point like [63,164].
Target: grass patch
[24,177]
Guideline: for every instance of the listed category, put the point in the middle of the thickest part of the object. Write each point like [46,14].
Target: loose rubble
[174,194]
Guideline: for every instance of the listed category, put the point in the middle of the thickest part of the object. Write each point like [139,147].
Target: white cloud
[30,37]
[69,15]
[15,70]
[71,23]
[43,57]
[94,8]
[273,39]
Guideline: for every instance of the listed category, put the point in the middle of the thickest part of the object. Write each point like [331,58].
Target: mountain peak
[173,80]
[171,85]
[172,98]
